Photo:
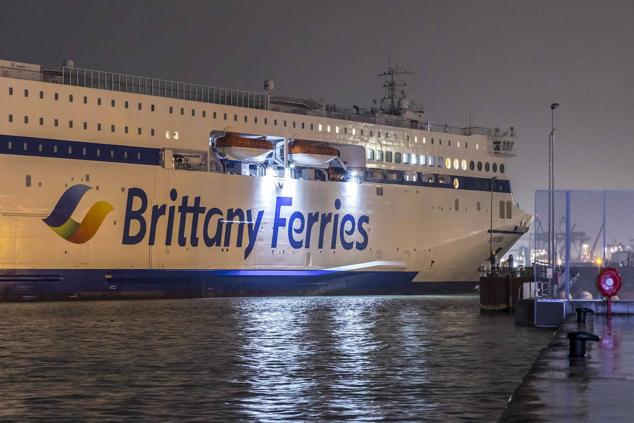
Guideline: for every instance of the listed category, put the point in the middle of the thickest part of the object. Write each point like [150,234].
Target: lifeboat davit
[309,154]
[238,148]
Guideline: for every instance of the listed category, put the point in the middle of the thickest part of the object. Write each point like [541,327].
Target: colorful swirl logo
[61,222]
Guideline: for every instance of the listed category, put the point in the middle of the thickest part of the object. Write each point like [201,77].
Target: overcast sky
[502,61]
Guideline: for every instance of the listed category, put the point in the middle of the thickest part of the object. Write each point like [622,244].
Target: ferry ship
[122,186]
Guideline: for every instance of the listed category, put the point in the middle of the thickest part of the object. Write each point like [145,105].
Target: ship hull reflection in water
[406,358]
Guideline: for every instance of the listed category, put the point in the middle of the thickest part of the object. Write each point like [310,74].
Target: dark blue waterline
[54,284]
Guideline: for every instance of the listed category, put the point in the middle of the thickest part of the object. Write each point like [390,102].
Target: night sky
[504,62]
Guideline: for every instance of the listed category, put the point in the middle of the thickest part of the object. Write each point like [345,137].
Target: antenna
[391,85]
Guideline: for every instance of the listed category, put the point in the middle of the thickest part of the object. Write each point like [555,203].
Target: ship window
[319,127]
[70,150]
[495,167]
[85,125]
[235,118]
[432,141]
[509,210]
[113,103]
[26,92]
[312,126]
[502,210]
[176,135]
[421,159]
[246,119]
[370,154]
[354,131]
[379,155]
[171,109]
[431,160]
[501,167]
[10,145]
[388,156]
[456,164]
[41,94]
[56,96]
[266,121]
[487,166]
[471,165]
[464,164]
[125,154]
[56,123]
[152,107]
[439,142]
[204,111]
[41,121]
[112,128]
[70,98]
[439,161]
[87,178]
[26,119]
[345,130]
[336,129]
[25,146]
[294,124]
[98,101]
[10,90]
[456,204]
[112,153]
[478,207]
[10,118]
[55,148]
[139,106]
[371,133]
[138,156]
[224,116]
[215,115]
[98,127]
[449,143]
[83,151]
[193,112]
[99,152]
[303,125]
[40,148]
[152,131]
[477,146]
[284,124]
[27,180]
[126,104]
[182,111]
[479,166]
[379,191]
[413,159]
[362,132]
[85,100]
[397,157]
[125,129]
[139,131]
[448,163]
[255,119]
[70,123]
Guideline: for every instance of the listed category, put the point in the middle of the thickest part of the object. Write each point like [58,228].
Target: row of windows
[428,160]
[235,118]
[99,126]
[69,151]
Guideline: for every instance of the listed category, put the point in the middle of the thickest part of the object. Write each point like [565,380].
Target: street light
[551,188]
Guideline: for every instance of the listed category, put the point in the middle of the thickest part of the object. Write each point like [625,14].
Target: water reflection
[361,358]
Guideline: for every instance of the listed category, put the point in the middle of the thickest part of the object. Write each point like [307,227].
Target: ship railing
[112,81]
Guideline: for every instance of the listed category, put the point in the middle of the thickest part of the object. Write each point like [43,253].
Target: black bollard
[578,343]
[581,314]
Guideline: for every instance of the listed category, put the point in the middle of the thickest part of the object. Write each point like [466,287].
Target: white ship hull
[89,215]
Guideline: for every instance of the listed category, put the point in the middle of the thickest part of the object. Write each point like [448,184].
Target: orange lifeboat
[235,147]
[310,154]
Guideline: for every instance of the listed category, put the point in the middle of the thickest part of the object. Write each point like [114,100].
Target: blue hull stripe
[54,284]
[78,150]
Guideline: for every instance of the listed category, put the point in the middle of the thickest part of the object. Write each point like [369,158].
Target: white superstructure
[117,185]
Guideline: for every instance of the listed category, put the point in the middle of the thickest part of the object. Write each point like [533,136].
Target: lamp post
[551,189]
[492,253]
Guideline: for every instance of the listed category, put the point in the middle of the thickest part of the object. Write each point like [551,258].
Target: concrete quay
[597,388]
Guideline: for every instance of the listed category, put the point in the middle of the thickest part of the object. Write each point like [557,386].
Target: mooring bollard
[581,314]
[578,343]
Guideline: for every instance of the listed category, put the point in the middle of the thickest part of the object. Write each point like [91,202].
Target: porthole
[501,167]
[495,167]
[176,136]
[456,183]
[456,164]
[487,166]
[448,163]
[479,166]
[471,165]
[464,164]
[168,135]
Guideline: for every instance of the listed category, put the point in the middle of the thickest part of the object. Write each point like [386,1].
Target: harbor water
[430,358]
